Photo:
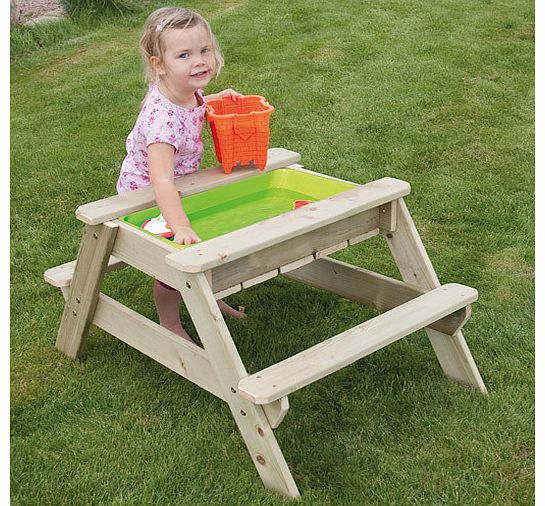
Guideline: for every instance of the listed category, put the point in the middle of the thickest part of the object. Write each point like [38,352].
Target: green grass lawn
[439,94]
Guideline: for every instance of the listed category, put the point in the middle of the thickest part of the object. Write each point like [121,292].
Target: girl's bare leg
[167,302]
[228,310]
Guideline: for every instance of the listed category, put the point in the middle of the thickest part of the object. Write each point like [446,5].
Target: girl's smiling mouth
[199,75]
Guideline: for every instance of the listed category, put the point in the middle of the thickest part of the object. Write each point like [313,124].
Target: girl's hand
[225,93]
[186,235]
[229,93]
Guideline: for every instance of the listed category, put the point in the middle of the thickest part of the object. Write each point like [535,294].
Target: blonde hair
[152,41]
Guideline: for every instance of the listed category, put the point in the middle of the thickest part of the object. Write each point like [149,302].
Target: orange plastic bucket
[240,129]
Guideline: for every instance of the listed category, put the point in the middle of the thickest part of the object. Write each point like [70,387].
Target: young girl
[181,56]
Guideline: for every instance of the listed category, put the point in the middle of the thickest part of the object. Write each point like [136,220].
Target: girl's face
[188,61]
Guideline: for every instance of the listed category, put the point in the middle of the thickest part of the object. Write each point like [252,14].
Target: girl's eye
[183,55]
[205,50]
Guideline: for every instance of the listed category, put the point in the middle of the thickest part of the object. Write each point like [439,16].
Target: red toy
[301,203]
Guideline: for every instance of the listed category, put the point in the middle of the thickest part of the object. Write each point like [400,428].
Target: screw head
[78,300]
[188,284]
[242,412]
[74,313]
[95,235]
[261,459]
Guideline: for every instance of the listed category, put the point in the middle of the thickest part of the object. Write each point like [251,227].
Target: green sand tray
[234,206]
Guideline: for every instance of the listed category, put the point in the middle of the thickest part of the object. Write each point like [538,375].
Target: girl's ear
[156,65]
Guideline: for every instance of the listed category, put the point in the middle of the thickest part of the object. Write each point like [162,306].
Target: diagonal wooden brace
[371,289]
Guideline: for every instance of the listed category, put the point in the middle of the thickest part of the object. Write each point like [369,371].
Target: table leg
[95,249]
[416,268]
[229,369]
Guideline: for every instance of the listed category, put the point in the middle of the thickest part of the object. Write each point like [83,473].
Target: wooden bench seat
[61,276]
[339,351]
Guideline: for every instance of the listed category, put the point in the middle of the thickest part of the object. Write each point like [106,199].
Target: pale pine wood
[228,291]
[456,359]
[286,244]
[295,265]
[143,251]
[251,420]
[260,279]
[267,233]
[112,317]
[276,411]
[337,352]
[226,279]
[119,205]
[62,275]
[79,308]
[409,253]
[363,237]
[416,268]
[292,250]
[369,288]
[388,216]
[331,249]
[178,355]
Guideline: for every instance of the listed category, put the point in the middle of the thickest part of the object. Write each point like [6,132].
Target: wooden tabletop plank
[243,242]
[113,207]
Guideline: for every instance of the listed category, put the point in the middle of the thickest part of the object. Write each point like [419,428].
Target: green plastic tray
[231,207]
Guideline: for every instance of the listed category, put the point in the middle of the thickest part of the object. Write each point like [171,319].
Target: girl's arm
[161,172]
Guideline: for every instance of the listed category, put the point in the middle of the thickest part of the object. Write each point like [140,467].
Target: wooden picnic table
[294,244]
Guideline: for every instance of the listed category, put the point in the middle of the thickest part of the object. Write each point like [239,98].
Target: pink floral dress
[160,120]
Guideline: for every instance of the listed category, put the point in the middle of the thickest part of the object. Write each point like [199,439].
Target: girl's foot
[228,310]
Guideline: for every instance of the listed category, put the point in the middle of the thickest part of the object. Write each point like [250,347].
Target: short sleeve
[160,121]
